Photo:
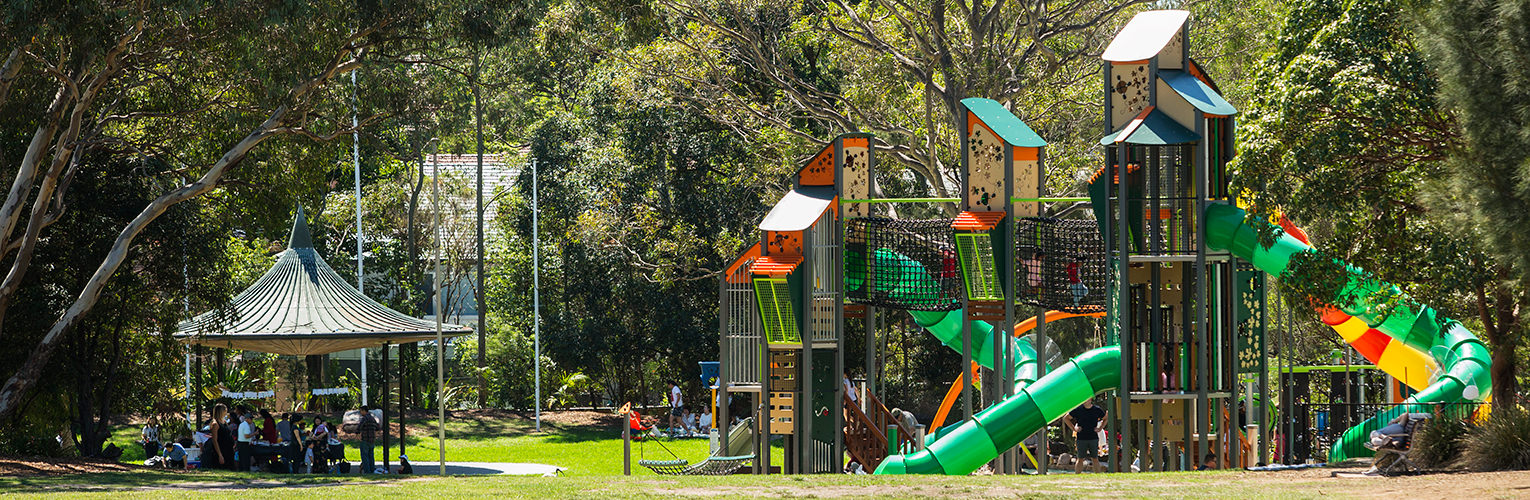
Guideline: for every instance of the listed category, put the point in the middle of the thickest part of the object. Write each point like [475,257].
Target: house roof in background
[500,170]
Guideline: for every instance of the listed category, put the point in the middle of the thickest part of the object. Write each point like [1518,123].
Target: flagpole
[356,163]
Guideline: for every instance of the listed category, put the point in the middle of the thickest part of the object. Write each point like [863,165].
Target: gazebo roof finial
[300,237]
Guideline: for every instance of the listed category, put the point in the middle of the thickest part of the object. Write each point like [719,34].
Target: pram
[329,454]
[1394,442]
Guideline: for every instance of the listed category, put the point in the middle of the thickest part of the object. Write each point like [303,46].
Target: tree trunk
[22,380]
[1505,342]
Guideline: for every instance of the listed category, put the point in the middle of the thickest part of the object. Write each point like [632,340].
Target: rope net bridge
[1061,264]
[902,264]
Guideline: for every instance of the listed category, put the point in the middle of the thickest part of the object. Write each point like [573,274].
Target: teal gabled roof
[1002,122]
[1156,129]
[1200,95]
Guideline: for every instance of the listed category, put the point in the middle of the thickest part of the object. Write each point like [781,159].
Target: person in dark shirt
[1086,421]
[368,430]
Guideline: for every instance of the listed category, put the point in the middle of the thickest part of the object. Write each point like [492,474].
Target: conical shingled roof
[301,307]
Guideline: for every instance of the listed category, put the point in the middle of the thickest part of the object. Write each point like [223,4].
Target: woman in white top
[150,437]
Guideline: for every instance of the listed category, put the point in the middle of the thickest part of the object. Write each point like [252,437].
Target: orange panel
[783,242]
[1131,168]
[1131,128]
[976,221]
[751,254]
[820,171]
[1027,154]
[973,122]
[776,265]
[857,142]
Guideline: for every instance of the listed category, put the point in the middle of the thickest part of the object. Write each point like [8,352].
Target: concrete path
[480,468]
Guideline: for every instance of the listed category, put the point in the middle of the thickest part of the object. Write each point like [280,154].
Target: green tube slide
[1003,425]
[1463,359]
[961,449]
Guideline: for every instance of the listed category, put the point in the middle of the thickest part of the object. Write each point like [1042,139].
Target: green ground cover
[1221,484]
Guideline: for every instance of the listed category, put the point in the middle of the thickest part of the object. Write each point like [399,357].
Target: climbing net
[1060,264]
[902,264]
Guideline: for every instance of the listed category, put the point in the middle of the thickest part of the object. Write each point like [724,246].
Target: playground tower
[1188,319]
[1183,321]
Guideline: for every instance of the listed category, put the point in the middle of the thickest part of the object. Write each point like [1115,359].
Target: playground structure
[1169,260]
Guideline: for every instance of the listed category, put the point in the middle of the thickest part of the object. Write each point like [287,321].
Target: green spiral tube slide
[961,449]
[1464,361]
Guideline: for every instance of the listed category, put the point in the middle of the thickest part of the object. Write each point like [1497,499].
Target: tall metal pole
[186,311]
[536,296]
[435,202]
[478,290]
[356,163]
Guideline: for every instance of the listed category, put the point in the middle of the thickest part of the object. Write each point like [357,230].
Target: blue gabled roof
[1197,92]
[1156,129]
[1005,124]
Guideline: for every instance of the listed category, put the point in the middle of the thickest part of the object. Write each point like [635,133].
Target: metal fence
[1318,425]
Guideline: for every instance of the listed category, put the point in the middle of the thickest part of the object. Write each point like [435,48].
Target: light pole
[435,202]
[536,295]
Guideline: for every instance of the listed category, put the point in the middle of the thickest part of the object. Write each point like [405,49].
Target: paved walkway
[480,468]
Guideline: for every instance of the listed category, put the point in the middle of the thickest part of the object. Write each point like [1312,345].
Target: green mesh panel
[775,301]
[975,250]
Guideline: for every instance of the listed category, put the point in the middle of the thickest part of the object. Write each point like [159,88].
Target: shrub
[1501,442]
[1439,443]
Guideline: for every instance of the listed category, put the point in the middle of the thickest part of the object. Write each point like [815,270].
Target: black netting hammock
[1061,264]
[902,264]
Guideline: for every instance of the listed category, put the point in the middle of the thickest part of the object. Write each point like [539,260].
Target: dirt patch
[47,466]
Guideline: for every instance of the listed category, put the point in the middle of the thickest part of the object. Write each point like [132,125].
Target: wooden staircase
[866,435]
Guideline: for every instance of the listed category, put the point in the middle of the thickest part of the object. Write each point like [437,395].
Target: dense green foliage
[1501,442]
[1479,49]
[1438,444]
[661,133]
[1355,137]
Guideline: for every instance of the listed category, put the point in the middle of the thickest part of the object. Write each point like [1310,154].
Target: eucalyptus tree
[897,69]
[195,86]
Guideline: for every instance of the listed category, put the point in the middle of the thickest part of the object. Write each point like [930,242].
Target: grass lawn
[585,446]
[590,448]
